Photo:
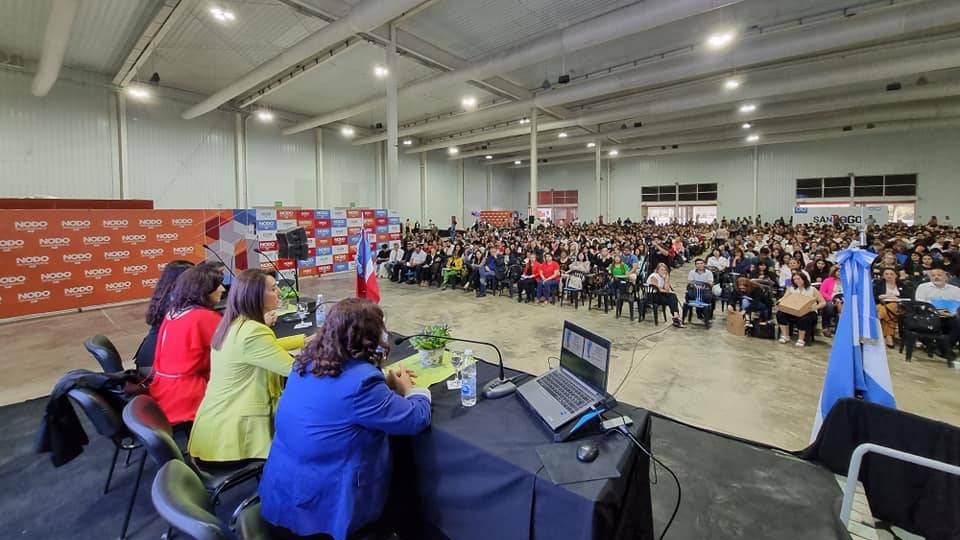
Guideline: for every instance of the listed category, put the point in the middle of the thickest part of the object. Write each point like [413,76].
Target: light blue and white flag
[858,360]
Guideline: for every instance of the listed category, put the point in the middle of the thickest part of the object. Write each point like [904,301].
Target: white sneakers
[800,343]
[784,339]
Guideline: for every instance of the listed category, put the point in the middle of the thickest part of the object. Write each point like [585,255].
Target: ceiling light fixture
[488,157]
[347,131]
[517,162]
[720,40]
[753,138]
[222,15]
[265,115]
[591,144]
[408,142]
[453,150]
[138,92]
[562,135]
[731,84]
[380,71]
[748,108]
[613,153]
[469,102]
[524,120]
[747,125]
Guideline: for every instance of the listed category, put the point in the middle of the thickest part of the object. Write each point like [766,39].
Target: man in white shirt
[699,287]
[939,289]
[417,258]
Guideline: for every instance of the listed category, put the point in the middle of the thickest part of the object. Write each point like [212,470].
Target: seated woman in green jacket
[235,418]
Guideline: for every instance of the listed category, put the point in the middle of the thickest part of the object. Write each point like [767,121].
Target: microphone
[496,388]
[279,274]
[224,263]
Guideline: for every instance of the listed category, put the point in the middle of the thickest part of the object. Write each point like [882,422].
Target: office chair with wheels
[181,499]
[107,422]
[150,426]
[105,352]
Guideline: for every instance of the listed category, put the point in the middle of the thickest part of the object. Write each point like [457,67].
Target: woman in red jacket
[181,366]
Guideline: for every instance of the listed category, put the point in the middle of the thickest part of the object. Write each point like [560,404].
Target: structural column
[596,181]
[489,201]
[318,159]
[240,157]
[609,214]
[123,172]
[379,172]
[393,163]
[460,193]
[533,162]
[756,179]
[423,188]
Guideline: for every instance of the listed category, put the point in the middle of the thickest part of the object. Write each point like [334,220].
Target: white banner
[848,216]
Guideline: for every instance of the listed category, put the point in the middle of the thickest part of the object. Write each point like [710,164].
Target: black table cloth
[476,474]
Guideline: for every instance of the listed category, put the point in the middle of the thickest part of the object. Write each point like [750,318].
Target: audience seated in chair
[666,296]
[700,290]
[805,324]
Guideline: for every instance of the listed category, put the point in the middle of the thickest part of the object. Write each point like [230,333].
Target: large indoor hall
[473,269]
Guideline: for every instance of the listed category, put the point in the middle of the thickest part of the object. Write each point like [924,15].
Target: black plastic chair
[105,352]
[651,300]
[572,292]
[623,292]
[107,422]
[144,418]
[181,499]
[599,287]
[920,321]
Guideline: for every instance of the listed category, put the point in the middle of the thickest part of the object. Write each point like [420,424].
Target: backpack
[920,318]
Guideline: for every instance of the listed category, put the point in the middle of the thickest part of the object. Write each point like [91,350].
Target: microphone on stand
[279,273]
[496,388]
[219,258]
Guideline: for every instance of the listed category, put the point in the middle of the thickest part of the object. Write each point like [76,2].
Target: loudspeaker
[293,244]
[533,219]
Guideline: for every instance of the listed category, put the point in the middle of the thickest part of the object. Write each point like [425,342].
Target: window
[679,192]
[838,187]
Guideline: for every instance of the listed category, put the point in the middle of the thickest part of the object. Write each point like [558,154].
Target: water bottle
[320,313]
[468,381]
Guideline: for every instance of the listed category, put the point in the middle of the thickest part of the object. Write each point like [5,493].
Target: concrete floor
[752,388]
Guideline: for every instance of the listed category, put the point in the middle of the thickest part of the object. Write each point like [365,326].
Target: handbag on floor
[763,331]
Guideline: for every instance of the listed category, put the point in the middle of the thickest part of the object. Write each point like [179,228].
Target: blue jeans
[545,289]
[485,274]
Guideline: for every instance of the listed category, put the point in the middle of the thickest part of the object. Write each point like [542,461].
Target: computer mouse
[587,452]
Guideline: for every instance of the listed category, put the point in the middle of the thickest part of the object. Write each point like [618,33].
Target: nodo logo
[151,223]
[97,273]
[117,286]
[183,250]
[115,224]
[149,282]
[79,290]
[116,255]
[33,260]
[135,269]
[55,242]
[167,237]
[30,225]
[11,281]
[77,258]
[11,244]
[55,277]
[33,296]
[75,224]
[181,222]
[95,240]
[133,238]
[151,253]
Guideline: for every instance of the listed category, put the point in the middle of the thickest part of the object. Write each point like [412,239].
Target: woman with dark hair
[819,271]
[182,359]
[157,309]
[235,418]
[800,285]
[887,292]
[329,468]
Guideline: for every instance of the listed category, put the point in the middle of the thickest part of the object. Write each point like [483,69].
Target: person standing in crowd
[182,360]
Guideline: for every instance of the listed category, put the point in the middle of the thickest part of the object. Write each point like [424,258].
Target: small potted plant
[288,295]
[431,348]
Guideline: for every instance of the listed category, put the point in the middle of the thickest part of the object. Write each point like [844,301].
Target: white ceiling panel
[471,28]
[99,40]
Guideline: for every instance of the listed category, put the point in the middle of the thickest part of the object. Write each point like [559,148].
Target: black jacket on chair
[61,432]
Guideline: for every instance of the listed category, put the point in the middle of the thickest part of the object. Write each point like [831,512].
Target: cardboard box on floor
[796,305]
[736,323]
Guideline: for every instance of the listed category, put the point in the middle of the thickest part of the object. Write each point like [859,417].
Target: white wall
[349,172]
[474,189]
[180,163]
[280,168]
[57,146]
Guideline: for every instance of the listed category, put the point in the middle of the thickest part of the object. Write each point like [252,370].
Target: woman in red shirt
[181,365]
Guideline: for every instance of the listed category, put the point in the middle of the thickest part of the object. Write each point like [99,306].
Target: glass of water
[303,309]
[456,360]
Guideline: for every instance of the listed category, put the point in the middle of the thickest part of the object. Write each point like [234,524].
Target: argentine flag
[858,360]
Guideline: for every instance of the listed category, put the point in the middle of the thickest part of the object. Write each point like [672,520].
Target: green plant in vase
[431,348]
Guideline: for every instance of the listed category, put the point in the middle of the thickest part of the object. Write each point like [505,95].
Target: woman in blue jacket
[329,467]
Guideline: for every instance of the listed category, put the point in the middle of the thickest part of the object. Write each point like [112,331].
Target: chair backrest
[144,418]
[248,523]
[105,352]
[104,418]
[181,499]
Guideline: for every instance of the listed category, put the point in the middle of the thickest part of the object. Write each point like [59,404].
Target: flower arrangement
[287,293]
[436,341]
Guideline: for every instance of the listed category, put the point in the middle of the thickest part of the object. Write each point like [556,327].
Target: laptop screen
[586,355]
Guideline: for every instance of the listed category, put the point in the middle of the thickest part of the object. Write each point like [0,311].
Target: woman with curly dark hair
[329,467]
[157,309]
[182,358]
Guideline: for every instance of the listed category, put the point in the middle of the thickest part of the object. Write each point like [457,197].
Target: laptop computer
[578,383]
